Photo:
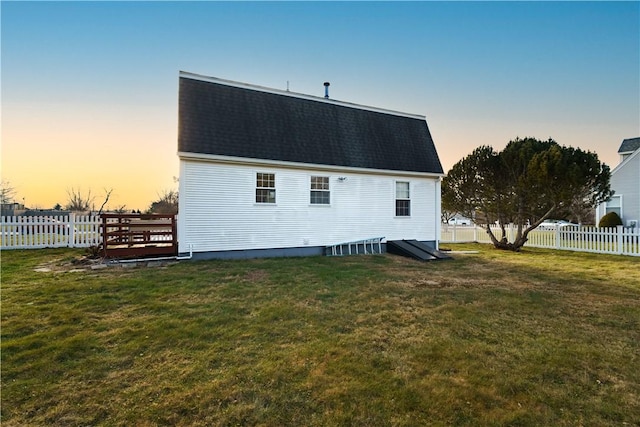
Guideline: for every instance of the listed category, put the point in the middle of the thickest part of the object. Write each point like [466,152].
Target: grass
[534,338]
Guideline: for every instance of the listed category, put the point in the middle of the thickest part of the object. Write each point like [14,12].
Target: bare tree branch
[7,192]
[106,199]
[77,201]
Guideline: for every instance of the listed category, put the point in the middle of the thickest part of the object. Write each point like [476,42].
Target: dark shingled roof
[220,118]
[629,145]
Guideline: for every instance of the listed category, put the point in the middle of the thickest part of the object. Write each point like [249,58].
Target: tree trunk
[504,244]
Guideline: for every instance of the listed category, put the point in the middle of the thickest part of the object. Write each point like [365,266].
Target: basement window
[320,194]
[265,187]
[403,202]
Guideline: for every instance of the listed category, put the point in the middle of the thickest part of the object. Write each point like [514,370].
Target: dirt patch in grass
[79,263]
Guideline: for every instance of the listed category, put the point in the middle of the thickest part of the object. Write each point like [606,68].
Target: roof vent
[326,89]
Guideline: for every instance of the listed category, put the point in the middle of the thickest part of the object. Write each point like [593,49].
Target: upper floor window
[265,187]
[403,201]
[320,194]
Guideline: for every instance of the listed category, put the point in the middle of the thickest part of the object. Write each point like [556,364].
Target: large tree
[524,184]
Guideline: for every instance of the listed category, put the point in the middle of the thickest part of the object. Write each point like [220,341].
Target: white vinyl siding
[214,218]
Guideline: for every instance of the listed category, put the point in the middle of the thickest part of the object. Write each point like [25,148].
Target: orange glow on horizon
[43,159]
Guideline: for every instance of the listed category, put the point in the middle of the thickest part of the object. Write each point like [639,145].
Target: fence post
[453,234]
[475,233]
[557,234]
[174,235]
[103,230]
[72,230]
[620,247]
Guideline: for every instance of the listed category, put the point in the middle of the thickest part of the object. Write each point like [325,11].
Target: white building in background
[625,181]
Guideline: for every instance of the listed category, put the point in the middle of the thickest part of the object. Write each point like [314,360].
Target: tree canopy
[524,184]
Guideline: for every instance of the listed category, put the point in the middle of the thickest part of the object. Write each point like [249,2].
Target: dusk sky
[90,89]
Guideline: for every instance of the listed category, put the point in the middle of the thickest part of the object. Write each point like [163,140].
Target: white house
[625,181]
[267,172]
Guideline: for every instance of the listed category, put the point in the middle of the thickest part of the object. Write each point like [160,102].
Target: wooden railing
[134,235]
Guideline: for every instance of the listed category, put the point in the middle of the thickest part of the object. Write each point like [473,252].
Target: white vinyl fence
[33,232]
[82,231]
[616,240]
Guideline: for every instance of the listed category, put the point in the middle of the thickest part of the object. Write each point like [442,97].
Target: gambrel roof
[629,145]
[223,118]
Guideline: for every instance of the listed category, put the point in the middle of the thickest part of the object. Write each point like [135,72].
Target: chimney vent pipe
[326,89]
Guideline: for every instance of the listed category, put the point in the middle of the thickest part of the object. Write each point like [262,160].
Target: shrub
[610,220]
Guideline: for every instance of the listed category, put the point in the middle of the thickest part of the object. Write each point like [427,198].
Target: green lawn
[494,338]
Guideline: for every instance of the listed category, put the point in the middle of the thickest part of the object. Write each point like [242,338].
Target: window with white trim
[614,205]
[265,187]
[320,194]
[403,200]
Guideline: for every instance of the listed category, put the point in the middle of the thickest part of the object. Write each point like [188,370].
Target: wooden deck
[135,235]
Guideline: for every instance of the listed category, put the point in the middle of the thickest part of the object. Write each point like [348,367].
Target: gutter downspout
[180,258]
